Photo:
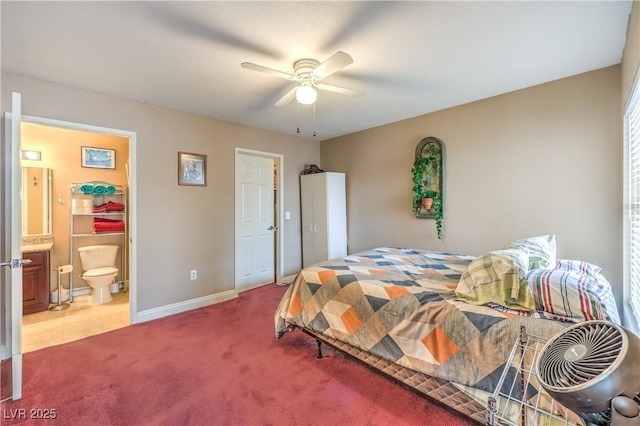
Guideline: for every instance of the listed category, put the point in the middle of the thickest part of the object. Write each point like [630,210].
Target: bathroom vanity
[35,282]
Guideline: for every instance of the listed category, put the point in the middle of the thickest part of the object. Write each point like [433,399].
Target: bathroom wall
[61,152]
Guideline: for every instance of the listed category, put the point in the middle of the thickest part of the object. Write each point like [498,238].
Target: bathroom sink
[36,247]
[37,243]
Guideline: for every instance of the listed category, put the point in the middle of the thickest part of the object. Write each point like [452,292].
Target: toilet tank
[98,256]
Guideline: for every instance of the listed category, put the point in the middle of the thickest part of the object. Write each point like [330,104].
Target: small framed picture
[192,169]
[99,158]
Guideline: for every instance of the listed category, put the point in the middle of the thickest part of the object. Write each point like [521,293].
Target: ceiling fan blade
[270,71]
[341,90]
[335,63]
[288,97]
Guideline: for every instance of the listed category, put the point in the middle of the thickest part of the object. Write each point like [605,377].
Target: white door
[255,233]
[314,218]
[12,282]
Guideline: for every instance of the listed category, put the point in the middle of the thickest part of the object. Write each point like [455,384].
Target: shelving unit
[81,224]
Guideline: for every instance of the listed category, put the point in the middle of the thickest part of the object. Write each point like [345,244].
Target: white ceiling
[410,58]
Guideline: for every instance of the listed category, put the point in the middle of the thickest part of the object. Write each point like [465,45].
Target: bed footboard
[437,390]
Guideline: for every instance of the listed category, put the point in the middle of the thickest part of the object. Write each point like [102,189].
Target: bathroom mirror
[36,201]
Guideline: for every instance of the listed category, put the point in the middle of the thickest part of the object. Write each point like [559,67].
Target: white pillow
[541,249]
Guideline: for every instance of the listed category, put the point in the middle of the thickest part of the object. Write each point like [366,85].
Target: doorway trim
[131,204]
[279,201]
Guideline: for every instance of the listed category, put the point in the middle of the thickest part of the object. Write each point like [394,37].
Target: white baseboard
[187,305]
[81,291]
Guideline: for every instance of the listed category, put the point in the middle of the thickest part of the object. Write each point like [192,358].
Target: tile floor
[80,320]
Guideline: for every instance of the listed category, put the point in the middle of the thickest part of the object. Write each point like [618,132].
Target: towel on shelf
[99,190]
[108,222]
[107,225]
[111,189]
[108,207]
[86,188]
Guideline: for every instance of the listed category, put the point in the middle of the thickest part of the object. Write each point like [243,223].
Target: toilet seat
[98,272]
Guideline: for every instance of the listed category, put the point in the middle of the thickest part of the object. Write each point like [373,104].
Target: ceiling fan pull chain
[314,119]
[298,119]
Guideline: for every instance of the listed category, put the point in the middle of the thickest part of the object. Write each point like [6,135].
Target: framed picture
[192,169]
[99,158]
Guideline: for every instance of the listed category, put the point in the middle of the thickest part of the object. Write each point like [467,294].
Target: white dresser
[324,217]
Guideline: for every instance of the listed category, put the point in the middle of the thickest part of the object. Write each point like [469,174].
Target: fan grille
[579,355]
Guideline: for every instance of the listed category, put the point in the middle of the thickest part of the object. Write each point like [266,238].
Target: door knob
[15,263]
[272,228]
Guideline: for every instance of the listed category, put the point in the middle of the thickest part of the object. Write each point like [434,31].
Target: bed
[442,323]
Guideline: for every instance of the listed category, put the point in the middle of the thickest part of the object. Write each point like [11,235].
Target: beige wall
[179,228]
[61,152]
[631,54]
[546,159]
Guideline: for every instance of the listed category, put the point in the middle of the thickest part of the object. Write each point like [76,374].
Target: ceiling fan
[307,73]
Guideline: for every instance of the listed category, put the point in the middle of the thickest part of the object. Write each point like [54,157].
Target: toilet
[98,264]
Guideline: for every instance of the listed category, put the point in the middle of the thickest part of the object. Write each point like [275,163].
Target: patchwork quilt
[400,304]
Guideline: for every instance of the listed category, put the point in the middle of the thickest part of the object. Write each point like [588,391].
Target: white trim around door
[279,200]
[131,205]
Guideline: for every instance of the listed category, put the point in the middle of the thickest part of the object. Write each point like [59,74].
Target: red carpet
[218,365]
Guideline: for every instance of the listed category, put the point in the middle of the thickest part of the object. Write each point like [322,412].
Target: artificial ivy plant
[422,169]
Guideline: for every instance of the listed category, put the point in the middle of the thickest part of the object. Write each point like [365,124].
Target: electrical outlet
[194,274]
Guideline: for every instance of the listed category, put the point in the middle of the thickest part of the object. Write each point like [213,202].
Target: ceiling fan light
[306,95]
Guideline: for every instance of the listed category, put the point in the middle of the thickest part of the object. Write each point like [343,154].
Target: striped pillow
[541,249]
[605,293]
[497,277]
[569,294]
[578,266]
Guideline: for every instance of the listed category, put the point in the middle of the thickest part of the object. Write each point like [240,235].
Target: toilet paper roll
[65,269]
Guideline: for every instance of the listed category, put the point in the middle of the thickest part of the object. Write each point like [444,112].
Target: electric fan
[593,369]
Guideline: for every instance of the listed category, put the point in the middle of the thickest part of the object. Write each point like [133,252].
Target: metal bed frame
[437,390]
[504,407]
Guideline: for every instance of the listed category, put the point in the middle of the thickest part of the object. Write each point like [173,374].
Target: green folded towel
[99,190]
[111,190]
[86,188]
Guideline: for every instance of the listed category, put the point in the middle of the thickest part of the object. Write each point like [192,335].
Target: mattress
[396,309]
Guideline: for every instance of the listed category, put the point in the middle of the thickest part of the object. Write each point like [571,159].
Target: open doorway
[61,146]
